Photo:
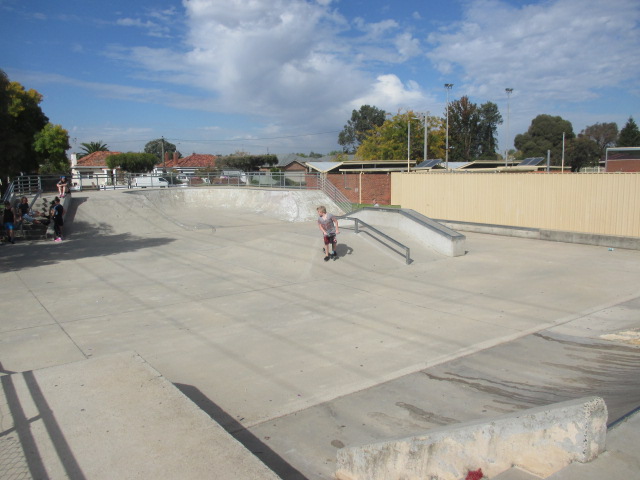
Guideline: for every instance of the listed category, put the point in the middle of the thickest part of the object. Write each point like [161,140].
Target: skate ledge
[427,231]
[541,440]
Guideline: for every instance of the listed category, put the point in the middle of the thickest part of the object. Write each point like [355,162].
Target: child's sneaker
[326,259]
[58,239]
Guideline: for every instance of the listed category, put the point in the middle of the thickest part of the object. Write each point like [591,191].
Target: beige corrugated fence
[595,203]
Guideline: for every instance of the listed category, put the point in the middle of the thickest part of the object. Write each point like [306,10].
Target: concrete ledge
[427,231]
[116,417]
[631,243]
[541,440]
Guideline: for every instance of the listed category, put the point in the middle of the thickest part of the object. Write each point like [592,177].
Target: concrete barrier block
[541,440]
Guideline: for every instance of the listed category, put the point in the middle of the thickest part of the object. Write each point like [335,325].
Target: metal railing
[31,184]
[336,195]
[358,222]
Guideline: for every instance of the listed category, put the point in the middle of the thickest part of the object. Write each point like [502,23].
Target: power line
[235,139]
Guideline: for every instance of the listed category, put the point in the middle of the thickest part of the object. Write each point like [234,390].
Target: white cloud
[292,61]
[159,25]
[390,94]
[563,50]
[407,46]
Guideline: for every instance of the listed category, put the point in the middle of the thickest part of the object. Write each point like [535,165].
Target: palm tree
[91,147]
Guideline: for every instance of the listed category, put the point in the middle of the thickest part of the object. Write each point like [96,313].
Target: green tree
[582,152]
[5,120]
[544,133]
[132,162]
[51,143]
[389,141]
[159,145]
[629,135]
[21,118]
[473,130]
[91,147]
[361,124]
[464,130]
[246,162]
[604,134]
[490,118]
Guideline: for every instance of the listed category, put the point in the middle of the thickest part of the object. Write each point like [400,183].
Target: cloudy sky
[281,76]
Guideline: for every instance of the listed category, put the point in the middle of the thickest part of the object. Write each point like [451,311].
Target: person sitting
[62,186]
[24,211]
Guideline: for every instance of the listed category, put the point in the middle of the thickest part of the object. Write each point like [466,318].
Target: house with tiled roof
[92,169]
[188,165]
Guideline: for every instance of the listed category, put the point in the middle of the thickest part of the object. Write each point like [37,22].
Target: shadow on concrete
[252,443]
[23,429]
[343,250]
[81,240]
[83,244]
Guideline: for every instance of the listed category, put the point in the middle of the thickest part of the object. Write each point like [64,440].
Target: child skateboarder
[328,225]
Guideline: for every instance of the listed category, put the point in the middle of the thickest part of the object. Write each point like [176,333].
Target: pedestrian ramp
[113,417]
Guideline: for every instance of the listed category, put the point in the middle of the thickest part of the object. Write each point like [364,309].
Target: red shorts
[331,238]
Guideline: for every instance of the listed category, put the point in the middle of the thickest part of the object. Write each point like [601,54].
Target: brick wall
[631,165]
[363,188]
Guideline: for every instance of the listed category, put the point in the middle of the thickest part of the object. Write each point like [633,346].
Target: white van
[149,181]
[235,176]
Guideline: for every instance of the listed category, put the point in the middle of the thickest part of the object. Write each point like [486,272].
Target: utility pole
[448,87]
[408,139]
[164,161]
[562,171]
[506,151]
[426,133]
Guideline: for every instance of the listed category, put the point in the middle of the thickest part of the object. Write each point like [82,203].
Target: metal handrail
[8,194]
[336,195]
[407,250]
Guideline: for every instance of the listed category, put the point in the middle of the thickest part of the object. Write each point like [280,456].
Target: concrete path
[297,357]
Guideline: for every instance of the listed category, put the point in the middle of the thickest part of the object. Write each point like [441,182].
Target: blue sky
[282,76]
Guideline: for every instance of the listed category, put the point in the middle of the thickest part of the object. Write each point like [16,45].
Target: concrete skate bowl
[188,207]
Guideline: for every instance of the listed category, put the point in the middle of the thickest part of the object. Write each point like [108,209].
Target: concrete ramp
[289,205]
[113,417]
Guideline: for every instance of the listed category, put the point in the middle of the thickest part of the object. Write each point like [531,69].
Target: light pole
[408,139]
[448,86]
[426,132]
[506,156]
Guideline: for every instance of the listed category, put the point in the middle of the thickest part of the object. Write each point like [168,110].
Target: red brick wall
[295,167]
[631,165]
[363,188]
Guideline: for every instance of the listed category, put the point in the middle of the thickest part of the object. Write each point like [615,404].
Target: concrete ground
[296,357]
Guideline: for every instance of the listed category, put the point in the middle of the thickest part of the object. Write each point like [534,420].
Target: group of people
[12,217]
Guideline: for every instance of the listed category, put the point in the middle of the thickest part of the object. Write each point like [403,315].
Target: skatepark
[220,309]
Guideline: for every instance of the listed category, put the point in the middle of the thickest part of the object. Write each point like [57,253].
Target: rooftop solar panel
[533,161]
[429,163]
